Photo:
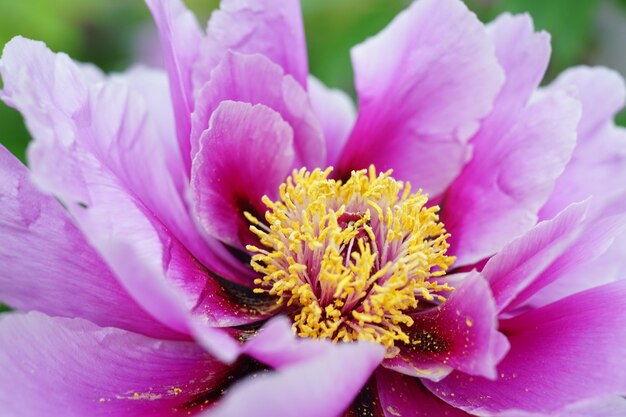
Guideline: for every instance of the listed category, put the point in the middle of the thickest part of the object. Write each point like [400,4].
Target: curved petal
[498,196]
[336,114]
[477,201]
[326,384]
[460,334]
[597,165]
[48,266]
[90,151]
[424,83]
[522,261]
[596,169]
[255,79]
[73,368]
[580,338]
[401,395]
[180,38]
[278,347]
[118,120]
[272,28]
[246,153]
[216,301]
[578,270]
[524,55]
[97,149]
[153,86]
[602,93]
[602,407]
[565,275]
[484,208]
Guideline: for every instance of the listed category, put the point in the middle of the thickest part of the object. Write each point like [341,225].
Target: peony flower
[229,238]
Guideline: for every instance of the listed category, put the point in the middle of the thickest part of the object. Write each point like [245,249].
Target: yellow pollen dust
[352,259]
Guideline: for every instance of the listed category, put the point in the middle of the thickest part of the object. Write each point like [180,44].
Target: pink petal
[323,386]
[278,347]
[460,334]
[596,169]
[246,153]
[91,145]
[153,86]
[217,301]
[524,55]
[521,262]
[255,79]
[272,28]
[570,273]
[499,193]
[180,38]
[117,120]
[336,114]
[166,194]
[424,83]
[581,273]
[602,94]
[73,368]
[48,266]
[603,407]
[485,208]
[597,164]
[275,344]
[401,395]
[608,407]
[563,353]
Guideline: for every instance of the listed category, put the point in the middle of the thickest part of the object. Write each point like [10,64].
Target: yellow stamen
[354,258]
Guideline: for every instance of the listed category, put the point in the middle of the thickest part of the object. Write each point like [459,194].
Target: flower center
[353,259]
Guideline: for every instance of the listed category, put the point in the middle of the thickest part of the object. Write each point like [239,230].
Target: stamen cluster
[353,258]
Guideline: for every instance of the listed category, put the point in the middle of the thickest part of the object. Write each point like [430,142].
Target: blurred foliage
[106,31]
[334,26]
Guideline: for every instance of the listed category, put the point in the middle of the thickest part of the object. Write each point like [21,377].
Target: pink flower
[162,226]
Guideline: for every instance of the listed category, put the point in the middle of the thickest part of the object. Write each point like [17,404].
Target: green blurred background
[115,33]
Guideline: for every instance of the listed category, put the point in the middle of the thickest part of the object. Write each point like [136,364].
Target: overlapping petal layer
[137,227]
[550,346]
[424,83]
